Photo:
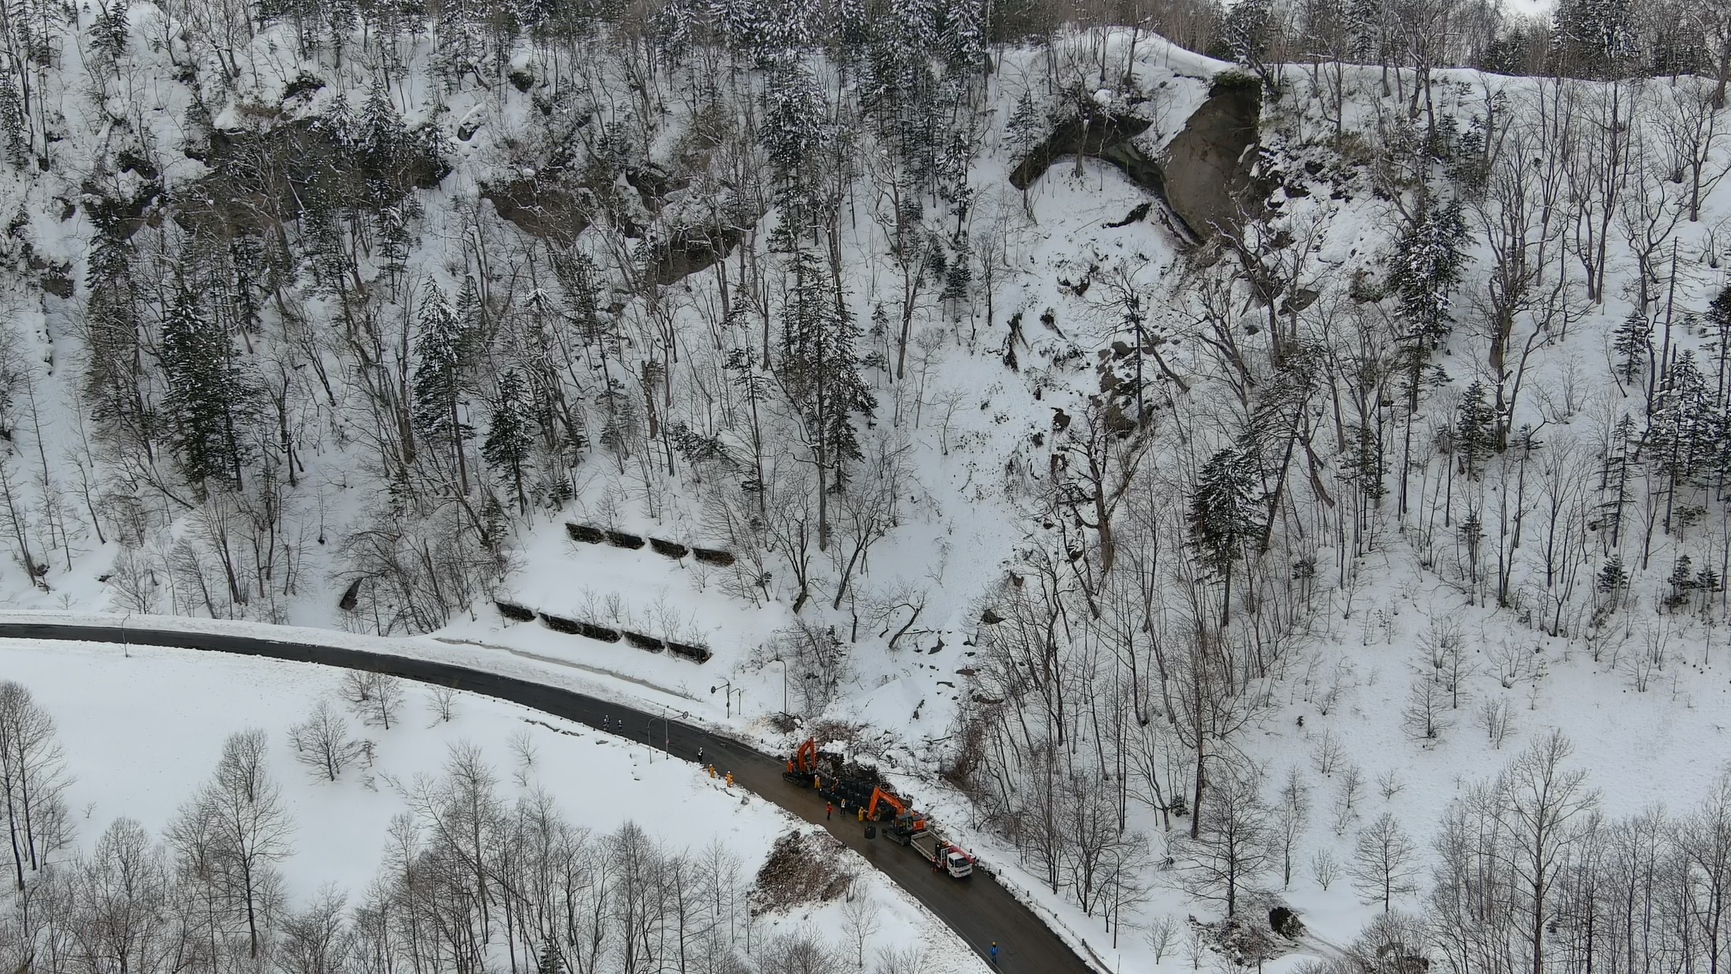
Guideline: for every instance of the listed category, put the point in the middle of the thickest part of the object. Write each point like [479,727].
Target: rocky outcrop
[545,205]
[1205,178]
[1097,133]
[1208,167]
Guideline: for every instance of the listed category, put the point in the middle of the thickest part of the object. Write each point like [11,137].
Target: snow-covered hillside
[1056,418]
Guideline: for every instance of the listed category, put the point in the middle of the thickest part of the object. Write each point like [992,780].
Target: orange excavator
[893,808]
[802,767]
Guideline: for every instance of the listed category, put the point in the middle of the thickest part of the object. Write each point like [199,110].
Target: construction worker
[827,808]
[711,770]
[730,779]
[994,953]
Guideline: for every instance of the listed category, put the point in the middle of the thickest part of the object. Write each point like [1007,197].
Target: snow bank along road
[978,909]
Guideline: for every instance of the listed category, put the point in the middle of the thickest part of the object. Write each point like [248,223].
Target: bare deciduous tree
[322,742]
[859,917]
[32,780]
[1291,815]
[1236,845]
[1384,862]
[232,835]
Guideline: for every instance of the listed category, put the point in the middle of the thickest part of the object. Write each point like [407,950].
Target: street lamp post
[728,686]
[783,663]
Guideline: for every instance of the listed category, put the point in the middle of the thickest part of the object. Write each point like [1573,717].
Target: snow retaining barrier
[588,630]
[713,556]
[696,654]
[576,627]
[515,612]
[585,534]
[671,549]
[661,546]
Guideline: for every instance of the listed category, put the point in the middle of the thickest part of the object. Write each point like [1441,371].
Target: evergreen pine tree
[819,373]
[1632,346]
[471,319]
[962,35]
[1363,463]
[1707,582]
[551,961]
[1682,582]
[14,138]
[108,34]
[1613,578]
[439,376]
[208,398]
[1025,126]
[1685,428]
[511,435]
[1246,32]
[381,141]
[1426,267]
[1595,38]
[1475,435]
[1614,477]
[794,134]
[1225,516]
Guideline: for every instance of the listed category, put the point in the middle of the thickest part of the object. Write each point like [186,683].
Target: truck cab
[957,864]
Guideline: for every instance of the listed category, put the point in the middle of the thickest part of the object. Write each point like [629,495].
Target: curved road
[978,909]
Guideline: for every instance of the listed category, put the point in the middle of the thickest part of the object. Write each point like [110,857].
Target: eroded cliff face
[1204,177]
[1208,166]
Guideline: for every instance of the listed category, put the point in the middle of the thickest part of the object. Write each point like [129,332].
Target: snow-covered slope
[1430,468]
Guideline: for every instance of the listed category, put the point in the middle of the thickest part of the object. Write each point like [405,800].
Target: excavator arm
[895,807]
[802,767]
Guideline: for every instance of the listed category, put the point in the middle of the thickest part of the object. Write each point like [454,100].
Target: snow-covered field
[142,729]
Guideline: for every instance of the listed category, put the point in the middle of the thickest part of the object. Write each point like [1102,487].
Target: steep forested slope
[1168,387]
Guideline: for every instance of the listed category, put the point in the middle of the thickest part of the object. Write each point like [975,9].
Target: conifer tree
[1224,516]
[209,397]
[1595,38]
[1684,429]
[1426,267]
[439,376]
[795,135]
[551,960]
[1474,433]
[1025,124]
[14,135]
[1613,578]
[511,435]
[819,373]
[1632,346]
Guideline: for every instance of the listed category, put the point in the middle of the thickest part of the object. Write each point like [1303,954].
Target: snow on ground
[142,728]
[954,546]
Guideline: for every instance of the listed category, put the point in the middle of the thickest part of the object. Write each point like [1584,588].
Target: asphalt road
[978,908]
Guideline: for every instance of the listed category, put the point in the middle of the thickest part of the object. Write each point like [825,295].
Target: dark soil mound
[802,868]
